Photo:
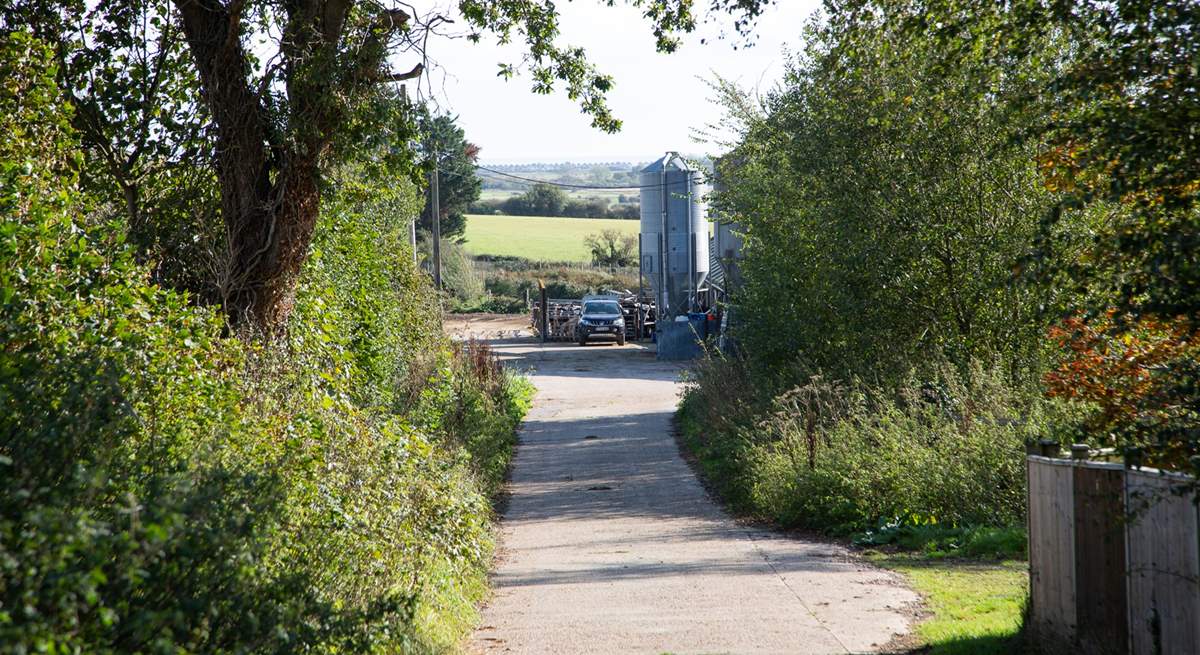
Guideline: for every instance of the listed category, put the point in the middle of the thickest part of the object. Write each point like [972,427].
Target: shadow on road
[610,544]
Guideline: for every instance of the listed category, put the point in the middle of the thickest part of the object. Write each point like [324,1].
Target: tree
[545,200]
[291,88]
[139,117]
[612,248]
[277,134]
[136,119]
[1119,370]
[458,185]
[886,202]
[1119,119]
[540,200]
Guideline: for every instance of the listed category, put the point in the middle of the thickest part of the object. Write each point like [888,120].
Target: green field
[544,238]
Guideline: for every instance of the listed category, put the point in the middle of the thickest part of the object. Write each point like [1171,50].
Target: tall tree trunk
[270,169]
[269,193]
[269,241]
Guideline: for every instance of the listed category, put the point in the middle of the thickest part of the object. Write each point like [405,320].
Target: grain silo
[674,237]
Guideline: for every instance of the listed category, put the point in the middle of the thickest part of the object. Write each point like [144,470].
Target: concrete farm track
[609,544]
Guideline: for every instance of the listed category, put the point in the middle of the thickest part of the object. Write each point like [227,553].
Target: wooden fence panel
[1102,610]
[1164,567]
[1052,546]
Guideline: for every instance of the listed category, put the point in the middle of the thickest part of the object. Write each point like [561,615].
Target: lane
[609,544]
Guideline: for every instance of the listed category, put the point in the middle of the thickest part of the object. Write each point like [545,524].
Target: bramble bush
[846,458]
[507,280]
[167,487]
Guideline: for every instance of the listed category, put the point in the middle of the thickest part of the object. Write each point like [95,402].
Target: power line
[590,187]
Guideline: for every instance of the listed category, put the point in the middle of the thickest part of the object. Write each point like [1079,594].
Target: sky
[660,98]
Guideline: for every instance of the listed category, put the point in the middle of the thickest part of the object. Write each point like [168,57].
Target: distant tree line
[596,175]
[549,200]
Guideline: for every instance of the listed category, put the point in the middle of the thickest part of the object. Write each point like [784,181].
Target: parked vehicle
[601,317]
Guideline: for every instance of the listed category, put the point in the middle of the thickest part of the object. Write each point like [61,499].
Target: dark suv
[600,318]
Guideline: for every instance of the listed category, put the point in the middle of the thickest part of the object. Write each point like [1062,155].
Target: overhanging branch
[400,77]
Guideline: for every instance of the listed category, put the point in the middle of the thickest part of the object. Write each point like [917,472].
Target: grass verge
[975,607]
[973,578]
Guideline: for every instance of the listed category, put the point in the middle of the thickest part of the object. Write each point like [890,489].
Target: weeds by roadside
[927,479]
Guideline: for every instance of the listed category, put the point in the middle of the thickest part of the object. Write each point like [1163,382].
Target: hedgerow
[849,457]
[166,486]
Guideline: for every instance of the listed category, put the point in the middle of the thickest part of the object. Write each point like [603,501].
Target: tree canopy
[289,90]
[945,181]
[445,146]
[1118,117]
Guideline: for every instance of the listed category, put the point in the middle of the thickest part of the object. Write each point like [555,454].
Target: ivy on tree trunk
[270,175]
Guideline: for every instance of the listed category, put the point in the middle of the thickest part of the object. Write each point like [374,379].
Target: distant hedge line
[570,209]
[549,200]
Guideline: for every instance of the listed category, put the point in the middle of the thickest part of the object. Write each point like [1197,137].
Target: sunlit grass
[540,238]
[975,606]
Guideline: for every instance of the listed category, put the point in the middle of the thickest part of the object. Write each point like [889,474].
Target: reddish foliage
[1125,370]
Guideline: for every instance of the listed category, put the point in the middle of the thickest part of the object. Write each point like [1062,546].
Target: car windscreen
[601,307]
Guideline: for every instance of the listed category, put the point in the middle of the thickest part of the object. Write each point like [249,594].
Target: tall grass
[845,457]
[510,280]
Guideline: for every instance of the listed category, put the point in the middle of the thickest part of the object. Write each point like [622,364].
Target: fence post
[1050,448]
[544,326]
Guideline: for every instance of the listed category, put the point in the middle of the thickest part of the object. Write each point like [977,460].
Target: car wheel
[621,340]
[583,341]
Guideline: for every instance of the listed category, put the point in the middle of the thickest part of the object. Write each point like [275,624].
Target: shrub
[937,540]
[845,458]
[612,248]
[586,208]
[166,487]
[126,523]
[459,277]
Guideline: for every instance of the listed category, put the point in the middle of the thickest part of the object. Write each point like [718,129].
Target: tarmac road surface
[609,544]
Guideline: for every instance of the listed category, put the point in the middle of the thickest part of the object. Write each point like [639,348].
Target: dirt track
[487,327]
[610,545]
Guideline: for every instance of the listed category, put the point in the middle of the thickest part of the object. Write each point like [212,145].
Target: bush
[848,458]
[166,487]
[936,540]
[490,304]
[459,277]
[586,208]
[631,211]
[612,248]
[508,279]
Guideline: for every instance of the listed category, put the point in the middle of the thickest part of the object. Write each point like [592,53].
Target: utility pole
[412,237]
[435,206]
